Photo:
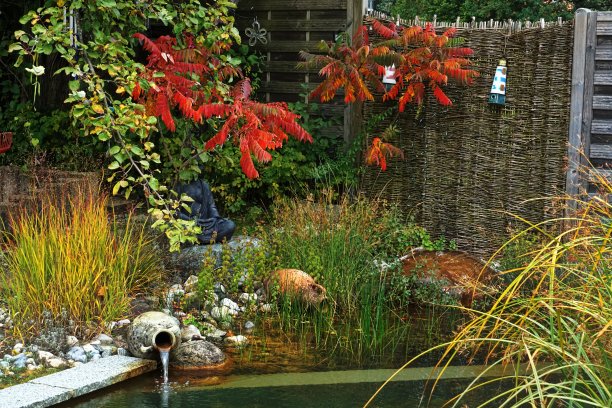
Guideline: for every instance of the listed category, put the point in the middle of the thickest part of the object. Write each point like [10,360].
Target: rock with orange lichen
[297,284]
[462,275]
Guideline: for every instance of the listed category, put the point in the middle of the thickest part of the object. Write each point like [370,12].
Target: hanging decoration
[71,18]
[498,89]
[389,77]
[257,33]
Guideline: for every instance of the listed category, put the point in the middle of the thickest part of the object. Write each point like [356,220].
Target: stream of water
[164,355]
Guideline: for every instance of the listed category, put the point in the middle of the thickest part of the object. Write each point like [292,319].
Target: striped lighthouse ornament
[498,89]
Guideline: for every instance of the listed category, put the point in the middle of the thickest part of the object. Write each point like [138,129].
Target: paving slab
[33,396]
[74,382]
[364,376]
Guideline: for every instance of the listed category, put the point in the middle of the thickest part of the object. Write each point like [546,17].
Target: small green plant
[400,233]
[419,287]
[67,258]
[206,280]
[239,270]
[192,320]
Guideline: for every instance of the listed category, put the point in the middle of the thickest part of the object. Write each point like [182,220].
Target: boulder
[104,339]
[77,353]
[236,341]
[297,284]
[189,260]
[247,298]
[461,275]
[190,332]
[222,313]
[197,355]
[191,284]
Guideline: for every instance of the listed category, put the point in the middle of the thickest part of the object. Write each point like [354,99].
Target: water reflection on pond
[323,389]
[278,370]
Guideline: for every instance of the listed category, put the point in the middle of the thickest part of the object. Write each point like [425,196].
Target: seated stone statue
[205,213]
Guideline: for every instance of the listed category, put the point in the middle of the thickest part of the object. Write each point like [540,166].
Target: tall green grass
[339,243]
[71,259]
[555,315]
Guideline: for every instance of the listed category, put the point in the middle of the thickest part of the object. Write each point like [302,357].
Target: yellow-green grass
[555,315]
[71,260]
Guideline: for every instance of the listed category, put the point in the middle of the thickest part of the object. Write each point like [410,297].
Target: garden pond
[277,371]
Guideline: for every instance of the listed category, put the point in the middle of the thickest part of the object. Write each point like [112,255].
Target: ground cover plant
[554,317]
[67,265]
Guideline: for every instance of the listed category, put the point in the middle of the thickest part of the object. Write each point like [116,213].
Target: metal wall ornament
[256,33]
[498,89]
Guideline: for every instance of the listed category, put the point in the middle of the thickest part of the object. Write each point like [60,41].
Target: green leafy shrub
[68,259]
[243,270]
[45,138]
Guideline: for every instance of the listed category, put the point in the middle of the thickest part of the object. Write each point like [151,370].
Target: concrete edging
[74,382]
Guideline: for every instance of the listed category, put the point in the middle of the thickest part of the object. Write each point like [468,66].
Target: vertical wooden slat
[574,153]
[589,79]
[353,112]
[269,56]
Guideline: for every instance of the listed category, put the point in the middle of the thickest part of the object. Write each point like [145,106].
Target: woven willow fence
[469,166]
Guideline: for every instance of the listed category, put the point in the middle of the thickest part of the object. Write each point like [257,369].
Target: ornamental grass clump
[70,260]
[554,318]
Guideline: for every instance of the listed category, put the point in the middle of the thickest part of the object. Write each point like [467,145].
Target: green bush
[342,244]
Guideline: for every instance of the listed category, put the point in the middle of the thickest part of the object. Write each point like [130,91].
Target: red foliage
[348,65]
[426,60]
[174,76]
[422,58]
[379,151]
[255,126]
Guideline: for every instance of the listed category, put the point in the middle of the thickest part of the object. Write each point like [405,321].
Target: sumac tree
[424,61]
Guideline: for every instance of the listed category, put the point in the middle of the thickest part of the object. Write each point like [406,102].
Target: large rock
[460,274]
[190,259]
[197,355]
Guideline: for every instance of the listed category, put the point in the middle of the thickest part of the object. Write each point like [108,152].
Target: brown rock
[200,355]
[466,275]
[296,283]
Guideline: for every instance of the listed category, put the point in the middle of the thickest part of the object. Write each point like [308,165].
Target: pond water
[278,370]
[347,388]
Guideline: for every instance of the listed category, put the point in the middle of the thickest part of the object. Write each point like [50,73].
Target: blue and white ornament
[498,89]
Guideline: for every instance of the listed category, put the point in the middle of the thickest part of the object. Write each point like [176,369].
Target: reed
[342,243]
[555,315]
[68,261]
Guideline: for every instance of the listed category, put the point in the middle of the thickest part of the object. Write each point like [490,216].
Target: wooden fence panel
[590,137]
[294,25]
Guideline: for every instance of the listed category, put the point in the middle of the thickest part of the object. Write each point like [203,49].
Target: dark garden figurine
[205,213]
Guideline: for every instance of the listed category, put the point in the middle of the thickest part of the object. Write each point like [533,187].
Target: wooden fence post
[581,102]
[353,115]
